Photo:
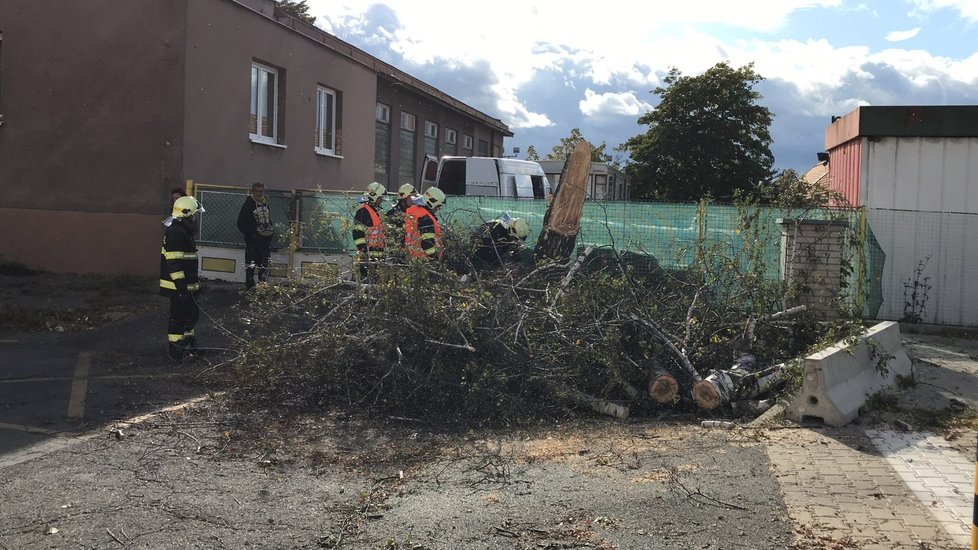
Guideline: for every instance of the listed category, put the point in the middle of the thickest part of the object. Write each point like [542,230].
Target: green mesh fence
[218,224]
[670,233]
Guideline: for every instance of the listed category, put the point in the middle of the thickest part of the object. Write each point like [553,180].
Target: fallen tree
[526,340]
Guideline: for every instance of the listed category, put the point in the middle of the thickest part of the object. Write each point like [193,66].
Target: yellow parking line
[28,429]
[79,387]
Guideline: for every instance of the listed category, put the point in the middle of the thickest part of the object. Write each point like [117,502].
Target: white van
[486,177]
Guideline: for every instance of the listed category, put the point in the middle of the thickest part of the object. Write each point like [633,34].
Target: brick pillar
[811,256]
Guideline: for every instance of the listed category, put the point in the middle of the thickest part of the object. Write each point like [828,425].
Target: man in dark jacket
[255,223]
[178,277]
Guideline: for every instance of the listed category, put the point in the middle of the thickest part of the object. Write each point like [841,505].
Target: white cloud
[967,8]
[900,36]
[534,60]
[597,105]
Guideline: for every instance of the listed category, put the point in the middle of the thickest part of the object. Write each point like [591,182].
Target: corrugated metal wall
[844,170]
[922,204]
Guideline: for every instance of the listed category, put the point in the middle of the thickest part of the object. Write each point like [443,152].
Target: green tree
[790,190]
[531,153]
[567,144]
[298,9]
[707,137]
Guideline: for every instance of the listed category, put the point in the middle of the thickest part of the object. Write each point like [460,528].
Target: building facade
[109,105]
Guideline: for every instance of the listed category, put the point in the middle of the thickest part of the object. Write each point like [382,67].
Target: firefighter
[498,241]
[178,277]
[368,229]
[405,197]
[422,232]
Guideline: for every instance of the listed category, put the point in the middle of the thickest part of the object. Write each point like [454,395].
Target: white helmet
[434,197]
[405,191]
[519,228]
[184,207]
[374,191]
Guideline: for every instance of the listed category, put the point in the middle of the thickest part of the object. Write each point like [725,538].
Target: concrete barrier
[838,380]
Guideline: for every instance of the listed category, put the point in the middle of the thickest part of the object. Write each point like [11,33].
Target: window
[431,138]
[467,145]
[405,167]
[483,148]
[383,113]
[382,143]
[325,121]
[451,142]
[407,122]
[263,126]
[496,151]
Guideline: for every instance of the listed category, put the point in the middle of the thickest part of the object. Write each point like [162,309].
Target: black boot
[176,351]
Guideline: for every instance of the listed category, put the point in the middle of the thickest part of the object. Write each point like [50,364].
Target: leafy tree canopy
[566,147]
[298,9]
[531,153]
[707,137]
[790,190]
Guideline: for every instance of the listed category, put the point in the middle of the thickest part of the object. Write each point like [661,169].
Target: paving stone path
[839,486]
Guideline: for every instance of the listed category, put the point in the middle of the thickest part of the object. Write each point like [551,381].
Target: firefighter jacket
[178,259]
[368,232]
[422,233]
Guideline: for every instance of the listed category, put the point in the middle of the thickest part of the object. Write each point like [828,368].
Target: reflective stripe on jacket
[178,259]
[422,233]
[368,232]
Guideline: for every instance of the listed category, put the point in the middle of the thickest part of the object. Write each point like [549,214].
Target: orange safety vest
[413,237]
[374,234]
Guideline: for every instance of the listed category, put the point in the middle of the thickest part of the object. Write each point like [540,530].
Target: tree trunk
[724,386]
[663,386]
[563,218]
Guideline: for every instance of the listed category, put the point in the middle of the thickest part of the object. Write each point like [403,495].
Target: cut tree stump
[562,221]
[735,384]
[663,386]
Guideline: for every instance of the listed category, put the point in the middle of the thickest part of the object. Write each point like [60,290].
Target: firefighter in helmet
[498,242]
[422,232]
[405,197]
[368,229]
[178,277]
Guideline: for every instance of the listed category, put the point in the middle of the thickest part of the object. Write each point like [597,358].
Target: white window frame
[322,93]
[383,113]
[467,142]
[430,129]
[450,136]
[408,121]
[259,103]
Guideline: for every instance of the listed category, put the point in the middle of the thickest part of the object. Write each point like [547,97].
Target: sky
[546,67]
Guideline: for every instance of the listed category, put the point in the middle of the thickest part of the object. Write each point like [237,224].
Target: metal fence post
[974,513]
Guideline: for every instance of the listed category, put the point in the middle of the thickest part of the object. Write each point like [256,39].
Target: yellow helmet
[519,228]
[434,197]
[405,191]
[184,207]
[374,191]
